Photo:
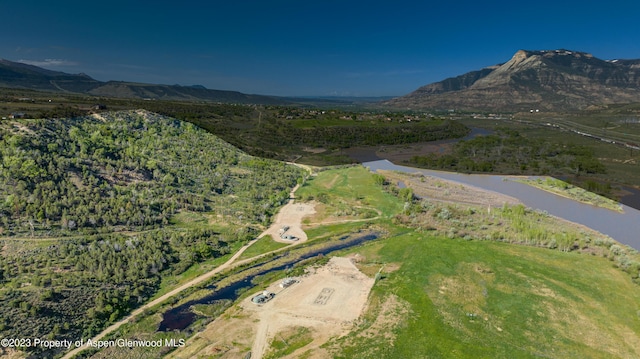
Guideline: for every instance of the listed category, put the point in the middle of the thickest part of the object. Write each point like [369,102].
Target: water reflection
[623,227]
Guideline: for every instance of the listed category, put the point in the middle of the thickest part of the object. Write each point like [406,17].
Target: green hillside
[131,170]
[99,213]
[467,299]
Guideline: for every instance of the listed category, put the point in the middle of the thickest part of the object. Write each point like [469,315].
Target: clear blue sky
[310,47]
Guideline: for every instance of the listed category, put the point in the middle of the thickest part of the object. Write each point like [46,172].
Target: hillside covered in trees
[92,214]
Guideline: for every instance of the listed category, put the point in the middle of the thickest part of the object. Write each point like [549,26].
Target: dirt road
[191,283]
[291,213]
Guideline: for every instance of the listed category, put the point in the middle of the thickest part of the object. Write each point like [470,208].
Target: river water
[623,227]
[182,316]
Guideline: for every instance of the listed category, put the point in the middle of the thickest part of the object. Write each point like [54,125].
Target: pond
[623,227]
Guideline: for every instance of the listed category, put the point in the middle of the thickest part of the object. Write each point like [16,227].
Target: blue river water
[623,227]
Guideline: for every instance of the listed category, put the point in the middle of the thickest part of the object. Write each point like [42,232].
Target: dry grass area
[448,191]
[315,150]
[326,302]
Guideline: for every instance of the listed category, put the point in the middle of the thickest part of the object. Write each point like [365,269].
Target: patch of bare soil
[229,336]
[290,216]
[327,301]
[21,129]
[392,312]
[449,191]
[314,149]
[98,117]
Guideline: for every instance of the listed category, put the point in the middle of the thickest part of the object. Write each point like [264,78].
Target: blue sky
[305,48]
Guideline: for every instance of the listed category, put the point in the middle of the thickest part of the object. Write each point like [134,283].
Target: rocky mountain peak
[546,79]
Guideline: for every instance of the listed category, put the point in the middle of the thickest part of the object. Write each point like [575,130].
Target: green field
[263,245]
[442,297]
[349,189]
[469,299]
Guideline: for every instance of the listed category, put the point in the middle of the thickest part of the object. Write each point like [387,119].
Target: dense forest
[88,215]
[131,169]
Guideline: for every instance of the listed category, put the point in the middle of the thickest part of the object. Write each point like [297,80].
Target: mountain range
[549,80]
[24,76]
[556,80]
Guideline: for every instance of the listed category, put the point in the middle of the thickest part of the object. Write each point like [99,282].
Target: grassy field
[347,190]
[263,245]
[443,296]
[470,299]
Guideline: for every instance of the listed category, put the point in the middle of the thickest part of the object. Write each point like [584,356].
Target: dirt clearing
[325,302]
[290,216]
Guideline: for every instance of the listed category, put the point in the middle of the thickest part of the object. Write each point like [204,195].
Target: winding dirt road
[228,264]
[290,207]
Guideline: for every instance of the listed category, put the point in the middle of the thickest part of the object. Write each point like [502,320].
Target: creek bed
[181,317]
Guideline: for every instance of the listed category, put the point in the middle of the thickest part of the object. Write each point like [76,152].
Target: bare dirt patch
[384,316]
[98,117]
[327,301]
[392,312]
[315,150]
[291,216]
[342,289]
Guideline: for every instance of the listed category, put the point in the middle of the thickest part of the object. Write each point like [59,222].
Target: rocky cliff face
[550,80]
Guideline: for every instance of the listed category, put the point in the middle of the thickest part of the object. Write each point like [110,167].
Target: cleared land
[325,302]
[290,215]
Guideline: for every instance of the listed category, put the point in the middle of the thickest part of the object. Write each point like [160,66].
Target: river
[182,316]
[623,227]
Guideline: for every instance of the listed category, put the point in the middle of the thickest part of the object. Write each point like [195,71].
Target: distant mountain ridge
[549,80]
[19,75]
[25,76]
